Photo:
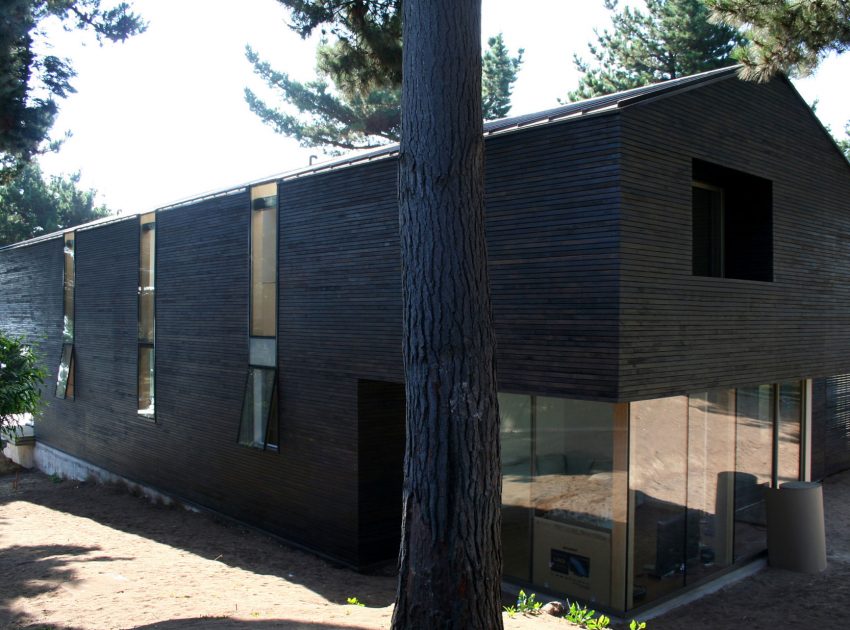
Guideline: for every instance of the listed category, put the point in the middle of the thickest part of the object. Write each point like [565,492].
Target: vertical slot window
[258,427]
[147,314]
[264,261]
[65,373]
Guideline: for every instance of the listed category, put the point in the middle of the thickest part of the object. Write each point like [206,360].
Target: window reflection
[558,465]
[658,487]
[65,372]
[147,315]
[788,431]
[259,409]
[258,426]
[753,468]
[711,462]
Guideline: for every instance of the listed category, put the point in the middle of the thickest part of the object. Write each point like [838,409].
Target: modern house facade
[670,272]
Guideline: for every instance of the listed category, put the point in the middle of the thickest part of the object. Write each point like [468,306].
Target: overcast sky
[162,117]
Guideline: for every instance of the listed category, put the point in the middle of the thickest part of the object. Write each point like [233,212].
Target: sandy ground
[75,555]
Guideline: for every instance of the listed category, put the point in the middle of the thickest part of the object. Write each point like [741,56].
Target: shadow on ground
[36,570]
[226,623]
[202,534]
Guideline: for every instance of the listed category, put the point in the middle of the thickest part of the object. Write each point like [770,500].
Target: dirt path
[79,556]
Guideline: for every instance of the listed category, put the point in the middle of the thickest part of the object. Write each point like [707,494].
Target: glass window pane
[515,432]
[263,272]
[146,381]
[65,373]
[658,487]
[256,408]
[572,494]
[147,283]
[262,352]
[711,465]
[790,414]
[753,466]
[68,289]
[264,196]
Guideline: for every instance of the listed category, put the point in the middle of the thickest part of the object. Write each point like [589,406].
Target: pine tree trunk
[450,557]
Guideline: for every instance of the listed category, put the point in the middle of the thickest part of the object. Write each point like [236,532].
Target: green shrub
[21,377]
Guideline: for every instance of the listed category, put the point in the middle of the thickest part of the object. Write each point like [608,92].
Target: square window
[732,224]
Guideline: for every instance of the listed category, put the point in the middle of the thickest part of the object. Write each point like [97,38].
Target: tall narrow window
[147,314]
[65,373]
[258,425]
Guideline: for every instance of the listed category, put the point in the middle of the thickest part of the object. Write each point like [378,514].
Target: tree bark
[450,559]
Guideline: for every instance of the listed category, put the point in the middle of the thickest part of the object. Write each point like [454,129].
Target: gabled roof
[597,105]
[594,105]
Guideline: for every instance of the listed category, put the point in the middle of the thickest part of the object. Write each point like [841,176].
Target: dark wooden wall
[552,229]
[586,306]
[31,300]
[684,333]
[552,199]
[830,425]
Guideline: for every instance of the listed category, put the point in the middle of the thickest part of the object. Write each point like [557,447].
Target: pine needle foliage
[31,83]
[355,100]
[672,38]
[790,36]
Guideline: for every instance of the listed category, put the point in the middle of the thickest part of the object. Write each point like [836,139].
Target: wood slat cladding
[551,198]
[589,237]
[93,426]
[683,333]
[31,301]
[830,425]
[552,230]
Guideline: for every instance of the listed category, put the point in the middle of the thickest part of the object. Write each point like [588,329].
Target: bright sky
[162,117]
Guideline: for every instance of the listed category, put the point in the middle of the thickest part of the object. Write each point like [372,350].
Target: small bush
[21,377]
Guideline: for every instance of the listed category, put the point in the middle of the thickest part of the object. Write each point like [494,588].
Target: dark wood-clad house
[670,271]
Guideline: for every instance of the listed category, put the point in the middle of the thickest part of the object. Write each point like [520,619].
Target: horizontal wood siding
[552,198]
[683,333]
[31,301]
[93,425]
[830,425]
[303,492]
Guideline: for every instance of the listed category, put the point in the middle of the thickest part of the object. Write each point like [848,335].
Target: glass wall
[711,462]
[753,466]
[621,504]
[564,495]
[698,468]
[789,430]
[147,314]
[658,489]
